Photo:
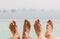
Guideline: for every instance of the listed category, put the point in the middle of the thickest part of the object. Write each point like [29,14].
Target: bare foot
[26,29]
[37,27]
[49,29]
[14,30]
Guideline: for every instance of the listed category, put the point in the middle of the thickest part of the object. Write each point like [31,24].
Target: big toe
[27,23]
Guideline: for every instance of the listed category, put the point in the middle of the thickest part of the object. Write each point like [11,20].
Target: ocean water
[6,34]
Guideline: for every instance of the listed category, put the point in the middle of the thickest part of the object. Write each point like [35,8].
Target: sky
[35,4]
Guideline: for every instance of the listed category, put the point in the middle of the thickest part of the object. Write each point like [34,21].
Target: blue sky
[35,4]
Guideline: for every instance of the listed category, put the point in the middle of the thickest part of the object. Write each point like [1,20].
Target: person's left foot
[14,30]
[37,27]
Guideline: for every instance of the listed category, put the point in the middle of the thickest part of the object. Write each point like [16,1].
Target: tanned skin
[26,29]
[14,30]
[38,29]
[49,30]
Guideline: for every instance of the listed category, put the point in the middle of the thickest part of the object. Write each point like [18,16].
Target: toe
[10,26]
[14,22]
[27,23]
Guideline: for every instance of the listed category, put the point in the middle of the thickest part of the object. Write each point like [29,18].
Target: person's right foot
[26,29]
[49,28]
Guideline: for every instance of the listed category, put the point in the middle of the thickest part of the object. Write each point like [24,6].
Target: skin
[26,29]
[14,30]
[38,29]
[49,31]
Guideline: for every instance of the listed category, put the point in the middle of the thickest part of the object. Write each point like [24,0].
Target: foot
[26,29]
[37,27]
[14,29]
[49,28]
